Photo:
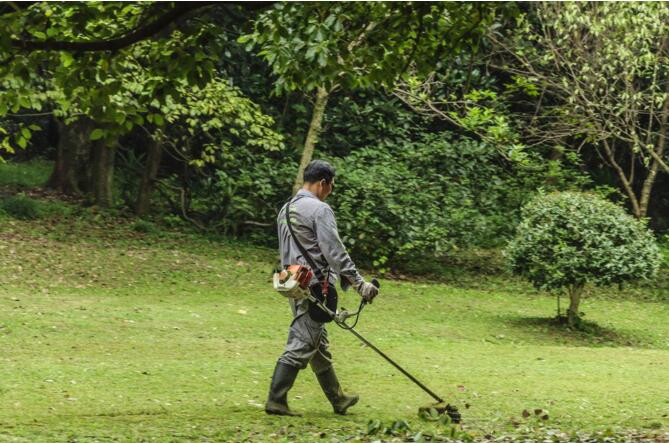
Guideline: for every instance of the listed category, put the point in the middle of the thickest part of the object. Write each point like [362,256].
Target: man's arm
[332,247]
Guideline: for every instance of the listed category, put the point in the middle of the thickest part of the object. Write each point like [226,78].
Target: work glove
[367,291]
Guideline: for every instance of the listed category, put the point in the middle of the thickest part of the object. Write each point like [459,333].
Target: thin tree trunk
[102,176]
[573,316]
[71,148]
[312,136]
[659,151]
[154,155]
[634,201]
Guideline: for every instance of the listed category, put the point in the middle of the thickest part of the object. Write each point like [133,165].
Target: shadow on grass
[554,330]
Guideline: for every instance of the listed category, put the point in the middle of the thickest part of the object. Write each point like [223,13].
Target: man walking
[314,226]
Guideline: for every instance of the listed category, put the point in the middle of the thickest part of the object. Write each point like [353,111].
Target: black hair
[318,170]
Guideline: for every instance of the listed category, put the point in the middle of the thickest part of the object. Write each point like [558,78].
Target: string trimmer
[341,319]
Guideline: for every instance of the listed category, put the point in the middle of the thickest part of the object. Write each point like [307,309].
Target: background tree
[317,48]
[610,86]
[567,240]
[88,70]
[208,130]
[569,74]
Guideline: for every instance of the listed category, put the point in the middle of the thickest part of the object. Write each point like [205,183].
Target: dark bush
[426,198]
[21,207]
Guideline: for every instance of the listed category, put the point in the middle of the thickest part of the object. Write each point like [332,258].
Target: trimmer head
[440,409]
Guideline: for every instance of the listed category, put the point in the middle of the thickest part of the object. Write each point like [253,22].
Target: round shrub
[566,240]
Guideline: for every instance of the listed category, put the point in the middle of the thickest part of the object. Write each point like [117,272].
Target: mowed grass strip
[169,337]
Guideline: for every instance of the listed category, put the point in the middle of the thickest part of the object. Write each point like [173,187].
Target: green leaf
[245,38]
[322,59]
[66,59]
[97,134]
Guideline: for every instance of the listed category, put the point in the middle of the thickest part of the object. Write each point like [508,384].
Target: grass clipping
[438,410]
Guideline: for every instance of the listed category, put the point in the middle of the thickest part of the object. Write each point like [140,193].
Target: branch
[34,114]
[132,37]
[658,159]
[623,178]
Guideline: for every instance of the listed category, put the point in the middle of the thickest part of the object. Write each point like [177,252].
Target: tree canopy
[208,112]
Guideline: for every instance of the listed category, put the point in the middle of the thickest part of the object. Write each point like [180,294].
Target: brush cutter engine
[293,282]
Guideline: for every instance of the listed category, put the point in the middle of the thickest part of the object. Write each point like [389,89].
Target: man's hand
[367,291]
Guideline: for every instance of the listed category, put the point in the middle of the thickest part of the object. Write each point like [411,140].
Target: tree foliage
[207,123]
[114,85]
[230,151]
[361,44]
[323,47]
[575,75]
[606,66]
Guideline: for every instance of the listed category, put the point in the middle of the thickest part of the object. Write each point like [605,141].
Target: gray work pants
[307,344]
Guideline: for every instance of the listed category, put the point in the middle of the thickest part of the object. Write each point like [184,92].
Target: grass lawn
[111,330]
[109,334]
[24,175]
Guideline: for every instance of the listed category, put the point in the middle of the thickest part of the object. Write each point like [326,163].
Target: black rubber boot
[340,402]
[282,380]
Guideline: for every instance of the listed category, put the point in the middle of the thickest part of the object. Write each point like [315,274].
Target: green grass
[113,330]
[110,332]
[29,174]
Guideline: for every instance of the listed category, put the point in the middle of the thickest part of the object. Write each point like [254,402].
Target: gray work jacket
[314,224]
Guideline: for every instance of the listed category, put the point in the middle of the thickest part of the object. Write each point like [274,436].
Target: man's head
[319,178]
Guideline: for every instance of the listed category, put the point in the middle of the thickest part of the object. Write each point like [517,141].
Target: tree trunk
[312,135]
[574,302]
[71,151]
[102,172]
[659,151]
[154,154]
[627,185]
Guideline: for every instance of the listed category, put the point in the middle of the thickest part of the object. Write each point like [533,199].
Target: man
[314,225]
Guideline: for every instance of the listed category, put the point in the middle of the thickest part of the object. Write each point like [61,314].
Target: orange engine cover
[302,274]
